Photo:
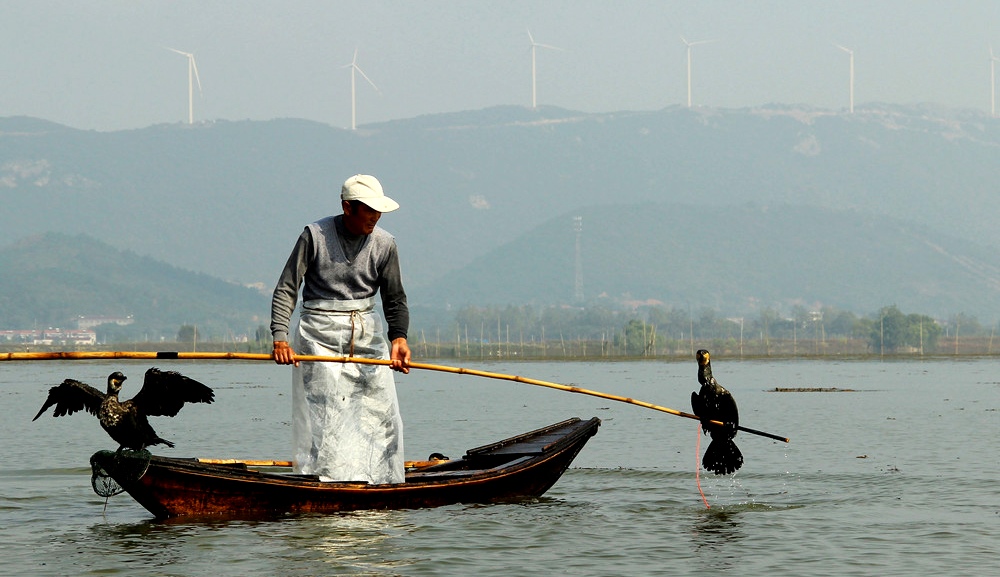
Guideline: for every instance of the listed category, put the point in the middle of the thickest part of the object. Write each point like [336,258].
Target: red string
[697,467]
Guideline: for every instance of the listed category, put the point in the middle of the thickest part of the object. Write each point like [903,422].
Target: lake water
[899,477]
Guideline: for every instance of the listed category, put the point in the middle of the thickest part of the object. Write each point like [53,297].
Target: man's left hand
[400,355]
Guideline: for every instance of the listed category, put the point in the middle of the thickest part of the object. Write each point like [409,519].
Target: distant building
[50,336]
[91,322]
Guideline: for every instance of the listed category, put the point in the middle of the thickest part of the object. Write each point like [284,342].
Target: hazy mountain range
[729,209]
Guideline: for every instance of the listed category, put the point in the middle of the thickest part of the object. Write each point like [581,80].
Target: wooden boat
[513,469]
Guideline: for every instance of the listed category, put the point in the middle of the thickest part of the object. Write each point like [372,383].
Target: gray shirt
[329,263]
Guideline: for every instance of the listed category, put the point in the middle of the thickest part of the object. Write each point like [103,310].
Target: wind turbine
[993,82]
[534,90]
[192,78]
[851,53]
[355,68]
[689,45]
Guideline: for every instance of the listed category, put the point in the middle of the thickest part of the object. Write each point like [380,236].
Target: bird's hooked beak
[115,381]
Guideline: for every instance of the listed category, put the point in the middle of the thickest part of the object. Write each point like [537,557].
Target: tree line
[651,330]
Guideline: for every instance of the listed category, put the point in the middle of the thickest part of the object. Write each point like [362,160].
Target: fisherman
[346,420]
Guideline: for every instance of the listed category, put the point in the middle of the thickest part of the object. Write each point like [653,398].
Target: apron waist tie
[355,313]
[355,317]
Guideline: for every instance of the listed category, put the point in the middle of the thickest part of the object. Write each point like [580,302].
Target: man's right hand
[283,354]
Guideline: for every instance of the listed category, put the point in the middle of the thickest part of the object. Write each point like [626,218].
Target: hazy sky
[103,64]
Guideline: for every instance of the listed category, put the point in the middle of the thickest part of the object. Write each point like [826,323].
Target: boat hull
[513,469]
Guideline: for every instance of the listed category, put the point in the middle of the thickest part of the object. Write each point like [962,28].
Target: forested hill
[735,258]
[50,280]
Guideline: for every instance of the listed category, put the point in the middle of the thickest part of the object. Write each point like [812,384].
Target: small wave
[629,473]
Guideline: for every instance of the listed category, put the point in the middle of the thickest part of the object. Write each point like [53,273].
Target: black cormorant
[162,393]
[715,403]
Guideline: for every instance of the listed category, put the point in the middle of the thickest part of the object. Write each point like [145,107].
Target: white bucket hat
[368,190]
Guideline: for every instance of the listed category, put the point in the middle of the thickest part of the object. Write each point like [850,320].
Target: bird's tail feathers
[722,457]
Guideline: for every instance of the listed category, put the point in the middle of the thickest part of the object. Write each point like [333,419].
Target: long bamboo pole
[89,355]
[281,463]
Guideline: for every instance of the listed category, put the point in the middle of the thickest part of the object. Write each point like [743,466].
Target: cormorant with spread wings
[162,393]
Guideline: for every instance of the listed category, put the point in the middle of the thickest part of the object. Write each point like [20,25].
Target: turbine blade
[697,42]
[358,68]
[194,67]
[534,44]
[178,51]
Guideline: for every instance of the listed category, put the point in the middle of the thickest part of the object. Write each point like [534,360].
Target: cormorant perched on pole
[162,393]
[715,403]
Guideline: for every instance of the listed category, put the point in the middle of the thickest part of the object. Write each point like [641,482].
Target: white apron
[346,422]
